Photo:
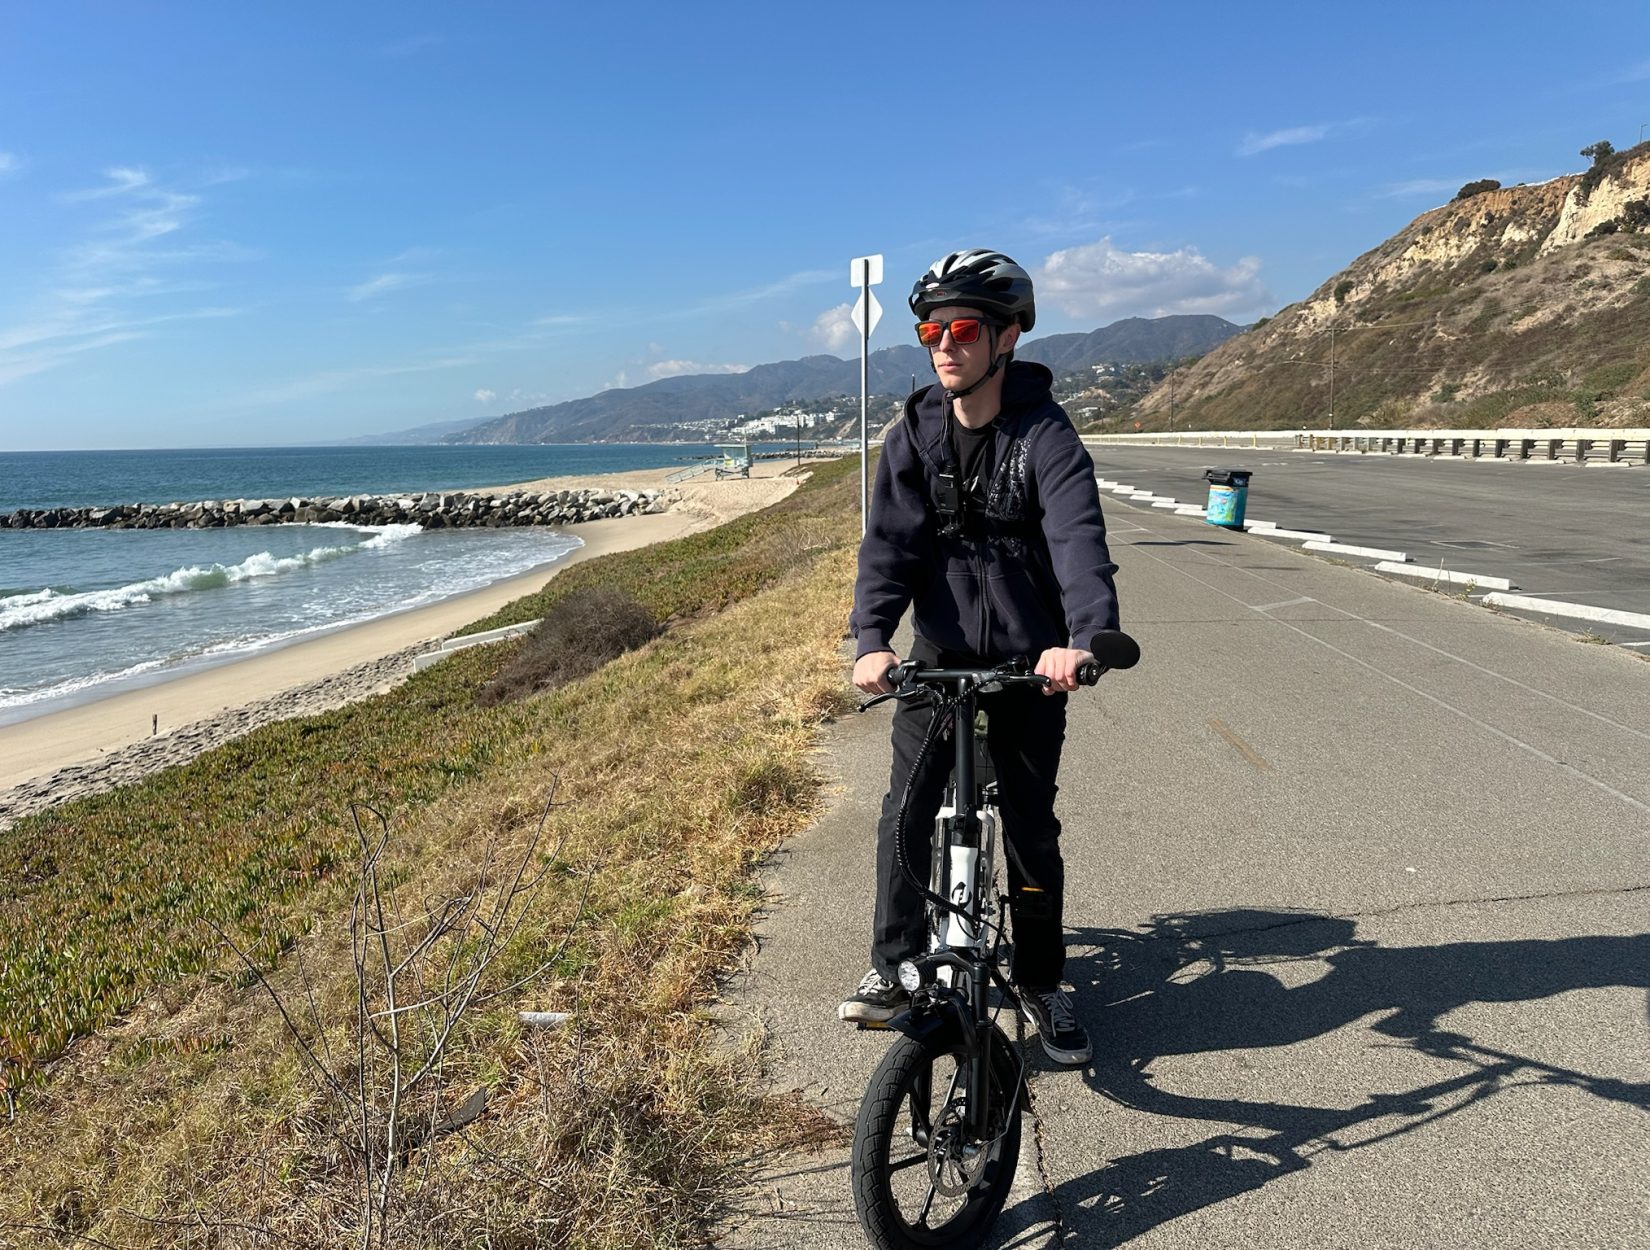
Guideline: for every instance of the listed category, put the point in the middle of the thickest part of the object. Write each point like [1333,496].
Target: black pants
[1027,731]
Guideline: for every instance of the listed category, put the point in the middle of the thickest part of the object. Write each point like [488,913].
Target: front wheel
[920,1177]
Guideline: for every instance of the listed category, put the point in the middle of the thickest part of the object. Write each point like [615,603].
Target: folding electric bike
[937,1139]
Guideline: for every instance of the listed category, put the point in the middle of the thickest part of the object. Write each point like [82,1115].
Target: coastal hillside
[1521,306]
[683,407]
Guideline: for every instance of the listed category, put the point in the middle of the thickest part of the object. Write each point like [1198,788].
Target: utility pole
[1171,396]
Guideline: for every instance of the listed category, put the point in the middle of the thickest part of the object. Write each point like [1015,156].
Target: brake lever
[905,692]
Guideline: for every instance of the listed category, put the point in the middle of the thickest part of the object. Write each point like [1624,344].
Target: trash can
[1228,496]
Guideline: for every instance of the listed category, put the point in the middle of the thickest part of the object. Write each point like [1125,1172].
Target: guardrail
[1566,446]
[1203,438]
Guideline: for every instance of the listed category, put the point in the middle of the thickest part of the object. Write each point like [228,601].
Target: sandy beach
[93,746]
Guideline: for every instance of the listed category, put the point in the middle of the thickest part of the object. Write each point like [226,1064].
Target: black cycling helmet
[977,278]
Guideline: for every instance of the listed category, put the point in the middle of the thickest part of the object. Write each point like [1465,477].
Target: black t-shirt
[974,458]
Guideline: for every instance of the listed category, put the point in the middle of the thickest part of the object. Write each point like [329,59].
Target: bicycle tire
[885,1124]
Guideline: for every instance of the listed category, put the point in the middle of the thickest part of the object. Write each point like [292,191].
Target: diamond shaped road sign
[866,296]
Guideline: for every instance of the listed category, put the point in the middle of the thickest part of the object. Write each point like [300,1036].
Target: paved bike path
[1358,915]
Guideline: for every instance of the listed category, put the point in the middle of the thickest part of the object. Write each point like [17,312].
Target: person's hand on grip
[871,671]
[1059,665]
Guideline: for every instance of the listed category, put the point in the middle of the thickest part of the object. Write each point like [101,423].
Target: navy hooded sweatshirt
[1036,574]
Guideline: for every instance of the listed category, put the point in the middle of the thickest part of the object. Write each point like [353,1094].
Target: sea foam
[40,607]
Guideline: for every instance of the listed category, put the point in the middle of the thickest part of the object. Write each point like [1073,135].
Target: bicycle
[967,1145]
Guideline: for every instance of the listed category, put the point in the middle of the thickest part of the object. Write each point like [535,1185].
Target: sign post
[865,272]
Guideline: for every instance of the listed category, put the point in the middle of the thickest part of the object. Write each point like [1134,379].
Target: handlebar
[1110,648]
[1011,674]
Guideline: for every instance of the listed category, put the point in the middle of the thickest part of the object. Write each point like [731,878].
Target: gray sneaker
[1048,1009]
[875,1002]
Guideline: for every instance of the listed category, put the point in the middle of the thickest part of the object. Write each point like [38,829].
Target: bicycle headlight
[910,976]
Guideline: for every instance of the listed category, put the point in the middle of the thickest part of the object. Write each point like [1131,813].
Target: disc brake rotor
[954,1163]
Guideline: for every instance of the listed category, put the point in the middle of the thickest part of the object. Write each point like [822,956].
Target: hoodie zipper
[984,649]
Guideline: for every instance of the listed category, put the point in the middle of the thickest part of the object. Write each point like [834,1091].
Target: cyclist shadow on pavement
[1191,984]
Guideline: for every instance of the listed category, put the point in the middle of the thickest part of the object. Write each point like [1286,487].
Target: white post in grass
[865,272]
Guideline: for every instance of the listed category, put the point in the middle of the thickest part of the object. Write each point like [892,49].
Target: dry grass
[580,633]
[194,1120]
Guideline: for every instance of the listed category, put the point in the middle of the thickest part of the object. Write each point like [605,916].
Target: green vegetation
[1477,188]
[161,1099]
[1605,160]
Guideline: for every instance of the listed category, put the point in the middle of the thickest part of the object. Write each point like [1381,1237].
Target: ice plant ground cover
[161,1099]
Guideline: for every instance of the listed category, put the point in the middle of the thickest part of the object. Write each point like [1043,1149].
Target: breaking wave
[38,607]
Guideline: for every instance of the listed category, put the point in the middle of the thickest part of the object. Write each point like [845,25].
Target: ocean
[84,613]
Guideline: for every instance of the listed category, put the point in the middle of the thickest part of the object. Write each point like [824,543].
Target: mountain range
[658,409]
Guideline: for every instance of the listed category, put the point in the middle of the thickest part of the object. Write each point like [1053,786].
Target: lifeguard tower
[736,460]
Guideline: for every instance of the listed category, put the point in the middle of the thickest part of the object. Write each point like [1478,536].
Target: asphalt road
[1575,533]
[1357,887]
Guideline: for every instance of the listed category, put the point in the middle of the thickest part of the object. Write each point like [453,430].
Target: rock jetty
[431,509]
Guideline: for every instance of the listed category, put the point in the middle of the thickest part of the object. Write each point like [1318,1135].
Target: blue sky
[286,223]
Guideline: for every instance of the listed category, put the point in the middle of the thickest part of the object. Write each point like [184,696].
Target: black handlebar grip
[1088,673]
[1113,648]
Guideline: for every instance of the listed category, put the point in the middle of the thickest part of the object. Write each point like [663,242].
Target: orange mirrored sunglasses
[964,330]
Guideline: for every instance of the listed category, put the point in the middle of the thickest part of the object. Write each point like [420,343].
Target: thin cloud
[34,349]
[220,174]
[329,380]
[113,286]
[1420,186]
[1253,144]
[410,45]
[680,368]
[9,164]
[1099,280]
[639,372]
[123,179]
[485,396]
[1638,73]
[383,284]
[756,295]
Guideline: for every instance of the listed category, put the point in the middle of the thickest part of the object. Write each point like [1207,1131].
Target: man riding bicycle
[985,521]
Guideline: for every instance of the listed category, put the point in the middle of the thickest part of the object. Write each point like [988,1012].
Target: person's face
[960,365]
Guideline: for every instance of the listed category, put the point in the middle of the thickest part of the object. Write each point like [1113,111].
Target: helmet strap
[996,364]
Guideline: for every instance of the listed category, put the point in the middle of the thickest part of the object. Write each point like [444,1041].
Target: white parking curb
[1345,549]
[1317,536]
[1581,611]
[1446,575]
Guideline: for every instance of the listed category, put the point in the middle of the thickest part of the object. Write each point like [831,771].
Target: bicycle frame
[953,980]
[968,1135]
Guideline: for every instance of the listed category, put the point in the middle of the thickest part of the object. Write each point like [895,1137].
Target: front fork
[968,840]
